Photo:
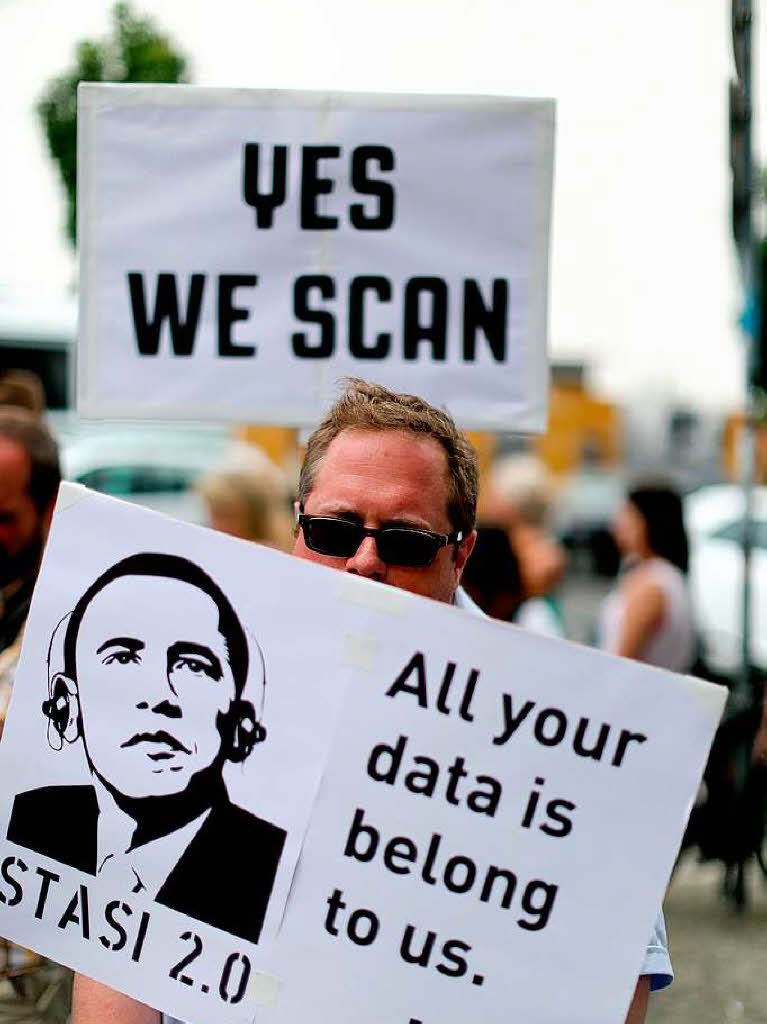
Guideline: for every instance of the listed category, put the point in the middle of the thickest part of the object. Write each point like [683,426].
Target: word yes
[313,184]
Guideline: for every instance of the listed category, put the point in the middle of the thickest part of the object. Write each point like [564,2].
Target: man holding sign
[388,491]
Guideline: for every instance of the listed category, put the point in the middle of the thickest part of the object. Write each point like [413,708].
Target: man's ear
[463,551]
[62,710]
[296,513]
[240,730]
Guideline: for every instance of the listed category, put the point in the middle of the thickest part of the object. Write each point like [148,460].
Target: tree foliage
[136,51]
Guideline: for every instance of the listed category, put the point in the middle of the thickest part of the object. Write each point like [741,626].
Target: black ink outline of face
[172,567]
[152,701]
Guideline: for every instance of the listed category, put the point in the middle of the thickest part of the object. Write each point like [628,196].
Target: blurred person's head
[29,480]
[520,490]
[388,490]
[250,502]
[23,389]
[651,523]
[492,577]
[520,494]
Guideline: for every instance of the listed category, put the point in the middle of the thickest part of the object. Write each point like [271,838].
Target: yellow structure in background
[279,443]
[732,447]
[485,444]
[580,426]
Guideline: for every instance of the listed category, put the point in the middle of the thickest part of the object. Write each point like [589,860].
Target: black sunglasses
[397,545]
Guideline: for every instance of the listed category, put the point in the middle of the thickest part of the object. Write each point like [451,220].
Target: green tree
[136,51]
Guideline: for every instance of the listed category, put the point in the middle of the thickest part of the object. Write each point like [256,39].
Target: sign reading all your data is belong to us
[242,250]
[247,789]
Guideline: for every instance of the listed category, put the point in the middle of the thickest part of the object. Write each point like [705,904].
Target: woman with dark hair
[491,576]
[648,616]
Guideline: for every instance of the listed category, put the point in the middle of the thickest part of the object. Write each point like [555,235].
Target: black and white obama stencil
[157,777]
[162,754]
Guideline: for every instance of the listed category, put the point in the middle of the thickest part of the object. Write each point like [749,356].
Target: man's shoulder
[70,800]
[59,822]
[229,819]
[236,840]
[462,600]
[226,874]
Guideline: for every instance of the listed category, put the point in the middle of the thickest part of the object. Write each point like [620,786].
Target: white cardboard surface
[161,191]
[483,820]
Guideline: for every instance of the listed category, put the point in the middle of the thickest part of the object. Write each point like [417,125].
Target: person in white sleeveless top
[648,616]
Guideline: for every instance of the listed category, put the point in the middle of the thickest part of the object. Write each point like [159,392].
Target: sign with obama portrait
[165,745]
[242,787]
[242,250]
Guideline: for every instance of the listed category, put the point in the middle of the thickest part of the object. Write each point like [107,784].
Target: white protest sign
[165,743]
[496,820]
[242,250]
[494,831]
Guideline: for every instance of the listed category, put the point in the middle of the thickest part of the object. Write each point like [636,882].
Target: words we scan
[417,313]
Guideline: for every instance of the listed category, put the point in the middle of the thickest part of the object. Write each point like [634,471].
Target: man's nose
[366,562]
[168,708]
[164,700]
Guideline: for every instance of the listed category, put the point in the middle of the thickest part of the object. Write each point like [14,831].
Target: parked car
[39,337]
[152,464]
[714,519]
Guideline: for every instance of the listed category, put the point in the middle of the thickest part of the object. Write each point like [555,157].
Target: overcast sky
[643,283]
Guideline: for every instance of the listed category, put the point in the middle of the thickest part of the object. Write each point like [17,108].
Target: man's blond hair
[366,406]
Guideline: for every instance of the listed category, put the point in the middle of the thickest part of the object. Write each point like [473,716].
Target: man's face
[152,677]
[21,526]
[388,478]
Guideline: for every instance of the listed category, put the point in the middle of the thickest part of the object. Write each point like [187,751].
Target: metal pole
[742,28]
[749,453]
